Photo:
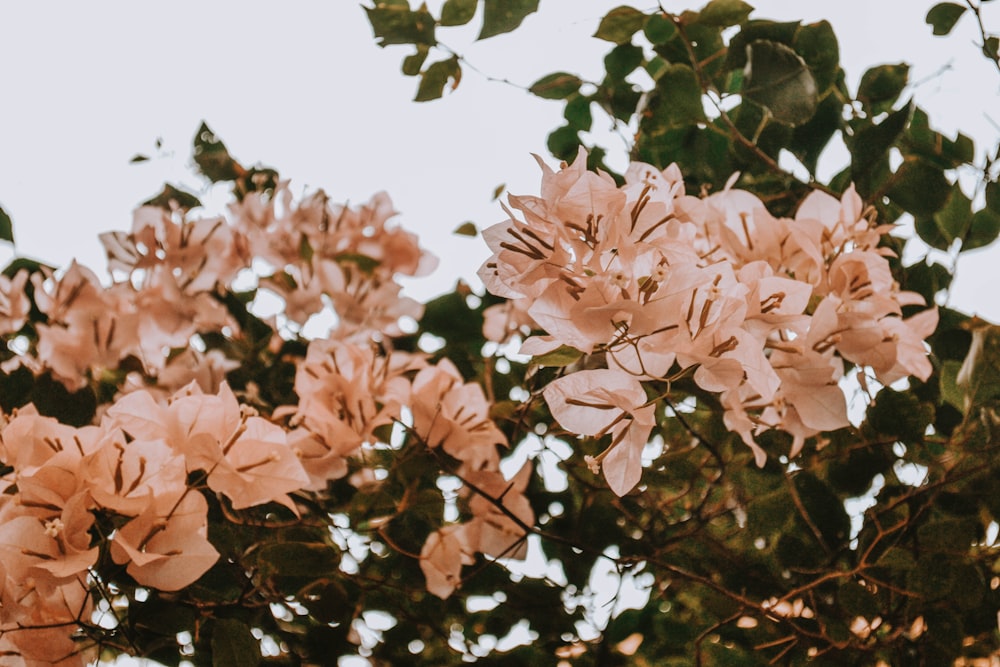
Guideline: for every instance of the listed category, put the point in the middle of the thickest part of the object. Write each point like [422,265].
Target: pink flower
[455,416]
[166,547]
[442,557]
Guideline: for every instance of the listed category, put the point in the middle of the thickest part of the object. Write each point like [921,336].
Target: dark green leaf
[620,24]
[927,279]
[979,377]
[436,77]
[824,509]
[993,196]
[466,229]
[257,332]
[6,227]
[817,44]
[933,575]
[563,142]
[946,153]
[622,61]
[871,143]
[899,414]
[398,24]
[577,113]
[947,534]
[675,101]
[955,218]
[413,63]
[943,16]
[139,157]
[458,12]
[30,265]
[330,603]
[212,157]
[724,13]
[233,645]
[881,86]
[556,86]
[920,188]
[563,356]
[857,600]
[779,80]
[500,16]
[298,559]
[171,198]
[983,230]
[810,138]
[991,48]
[52,399]
[757,29]
[948,385]
[659,29]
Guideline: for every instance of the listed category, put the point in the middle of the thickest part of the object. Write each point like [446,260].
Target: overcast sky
[302,87]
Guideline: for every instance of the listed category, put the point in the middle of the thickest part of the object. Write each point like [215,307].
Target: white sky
[302,87]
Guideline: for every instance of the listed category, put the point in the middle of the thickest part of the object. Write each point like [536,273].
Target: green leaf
[933,576]
[171,198]
[458,12]
[233,645]
[466,229]
[872,142]
[398,24]
[779,80]
[659,29]
[298,559]
[436,77]
[920,188]
[500,16]
[955,218]
[943,16]
[622,61]
[6,227]
[577,113]
[29,265]
[757,29]
[556,86]
[620,24]
[563,142]
[991,47]
[950,391]
[562,356]
[927,279]
[856,600]
[824,508]
[676,99]
[881,86]
[993,196]
[979,376]
[817,44]
[139,157]
[213,158]
[413,63]
[899,414]
[724,13]
[983,230]
[948,535]
[946,153]
[811,138]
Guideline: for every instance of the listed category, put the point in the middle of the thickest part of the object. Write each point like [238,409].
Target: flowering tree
[700,413]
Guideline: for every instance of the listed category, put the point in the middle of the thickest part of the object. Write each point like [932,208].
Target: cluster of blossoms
[132,490]
[762,311]
[649,282]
